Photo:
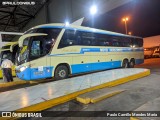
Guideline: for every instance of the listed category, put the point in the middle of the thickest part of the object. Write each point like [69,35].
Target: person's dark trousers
[7,72]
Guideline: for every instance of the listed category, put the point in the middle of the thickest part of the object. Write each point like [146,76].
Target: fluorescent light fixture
[93,10]
[67,23]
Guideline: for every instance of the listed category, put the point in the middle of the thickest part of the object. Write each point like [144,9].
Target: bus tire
[61,72]
[132,63]
[125,63]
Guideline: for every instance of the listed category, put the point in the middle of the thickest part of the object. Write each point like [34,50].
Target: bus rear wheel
[61,72]
[125,63]
[132,63]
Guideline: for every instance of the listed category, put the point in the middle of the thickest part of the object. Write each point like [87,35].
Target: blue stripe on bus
[139,61]
[88,67]
[51,26]
[34,73]
[83,50]
[110,50]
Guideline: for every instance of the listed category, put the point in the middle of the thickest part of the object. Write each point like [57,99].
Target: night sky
[144,18]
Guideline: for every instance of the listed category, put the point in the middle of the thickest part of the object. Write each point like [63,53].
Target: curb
[94,100]
[10,84]
[19,83]
[86,99]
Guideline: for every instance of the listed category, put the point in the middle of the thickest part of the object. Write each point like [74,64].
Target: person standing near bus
[7,70]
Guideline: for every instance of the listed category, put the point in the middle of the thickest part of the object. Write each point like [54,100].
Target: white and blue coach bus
[57,50]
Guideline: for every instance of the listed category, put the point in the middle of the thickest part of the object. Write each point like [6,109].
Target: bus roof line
[90,30]
[82,28]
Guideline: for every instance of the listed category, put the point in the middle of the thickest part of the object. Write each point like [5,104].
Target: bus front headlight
[23,68]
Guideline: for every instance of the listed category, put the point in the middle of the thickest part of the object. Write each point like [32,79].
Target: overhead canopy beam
[25,11]
[4,17]
[17,13]
[7,24]
[23,21]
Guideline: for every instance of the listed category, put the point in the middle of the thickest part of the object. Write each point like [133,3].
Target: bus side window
[101,40]
[129,42]
[79,40]
[86,42]
[120,43]
[68,39]
[140,42]
[137,42]
[126,42]
[115,41]
[87,38]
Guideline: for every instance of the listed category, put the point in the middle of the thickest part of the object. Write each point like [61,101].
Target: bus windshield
[38,46]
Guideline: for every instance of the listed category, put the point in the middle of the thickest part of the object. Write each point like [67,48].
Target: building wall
[151,41]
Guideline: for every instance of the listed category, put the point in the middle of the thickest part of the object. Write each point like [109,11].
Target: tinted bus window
[52,33]
[137,42]
[115,41]
[140,42]
[103,40]
[126,42]
[68,39]
[87,38]
[72,37]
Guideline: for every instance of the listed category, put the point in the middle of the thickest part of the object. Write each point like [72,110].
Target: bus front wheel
[61,72]
[125,63]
